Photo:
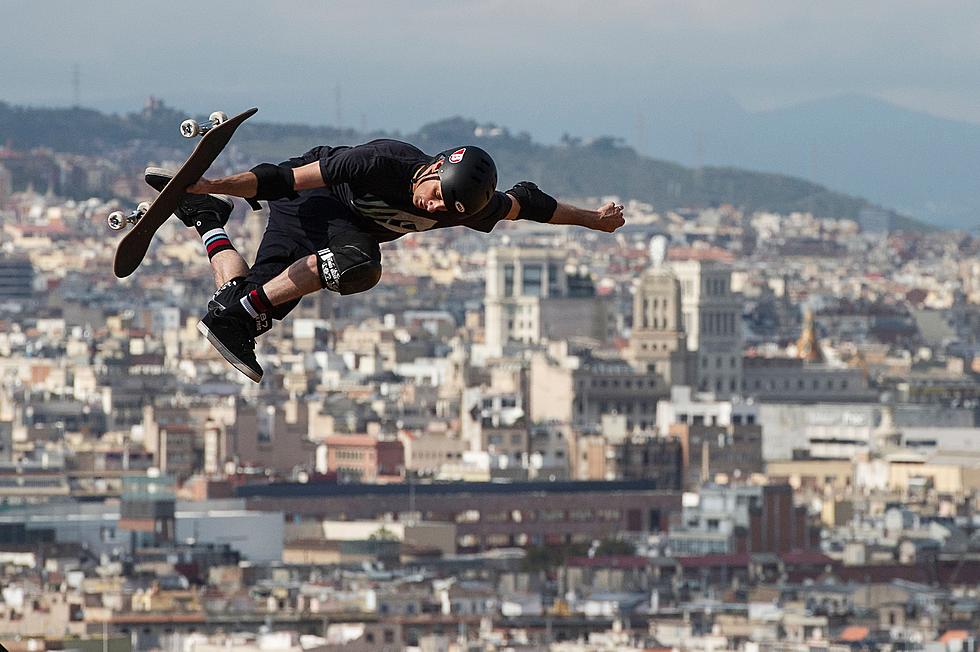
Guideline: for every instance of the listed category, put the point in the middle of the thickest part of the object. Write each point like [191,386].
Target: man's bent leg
[298,280]
[351,264]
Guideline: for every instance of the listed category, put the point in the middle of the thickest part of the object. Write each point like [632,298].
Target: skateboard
[149,216]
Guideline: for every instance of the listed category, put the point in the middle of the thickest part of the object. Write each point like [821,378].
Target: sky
[547,67]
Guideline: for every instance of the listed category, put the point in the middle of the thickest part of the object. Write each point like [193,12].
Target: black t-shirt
[374,181]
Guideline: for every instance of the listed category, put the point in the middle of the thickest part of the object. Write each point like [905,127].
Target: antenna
[76,83]
[699,160]
[340,114]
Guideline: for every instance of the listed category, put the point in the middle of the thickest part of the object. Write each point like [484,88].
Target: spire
[807,347]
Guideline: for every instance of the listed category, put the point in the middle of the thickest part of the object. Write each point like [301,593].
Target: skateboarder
[329,210]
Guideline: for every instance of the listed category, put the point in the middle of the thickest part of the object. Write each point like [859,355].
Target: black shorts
[301,227]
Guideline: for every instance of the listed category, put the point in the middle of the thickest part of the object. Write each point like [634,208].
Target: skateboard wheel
[218,117]
[116,220]
[142,208]
[189,128]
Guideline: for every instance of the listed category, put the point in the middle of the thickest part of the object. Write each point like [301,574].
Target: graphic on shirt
[457,156]
[391,218]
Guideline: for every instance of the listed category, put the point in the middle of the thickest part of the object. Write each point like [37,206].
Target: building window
[508,280]
[531,284]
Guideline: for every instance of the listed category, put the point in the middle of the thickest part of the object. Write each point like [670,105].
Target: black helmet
[468,177]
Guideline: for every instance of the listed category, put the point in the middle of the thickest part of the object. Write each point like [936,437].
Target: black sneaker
[193,210]
[234,340]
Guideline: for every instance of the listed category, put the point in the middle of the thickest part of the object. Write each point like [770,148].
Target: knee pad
[347,269]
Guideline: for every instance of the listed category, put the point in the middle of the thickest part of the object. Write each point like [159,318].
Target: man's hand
[200,187]
[609,218]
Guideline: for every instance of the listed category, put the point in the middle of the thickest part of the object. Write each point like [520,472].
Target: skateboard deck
[132,248]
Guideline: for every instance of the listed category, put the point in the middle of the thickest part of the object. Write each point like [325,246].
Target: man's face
[427,195]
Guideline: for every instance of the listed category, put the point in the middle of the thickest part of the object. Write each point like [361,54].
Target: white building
[712,320]
[532,294]
[258,536]
[703,409]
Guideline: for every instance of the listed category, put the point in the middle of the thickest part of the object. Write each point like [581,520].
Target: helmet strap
[421,177]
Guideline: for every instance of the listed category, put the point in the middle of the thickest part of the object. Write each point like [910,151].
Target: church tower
[658,343]
[807,347]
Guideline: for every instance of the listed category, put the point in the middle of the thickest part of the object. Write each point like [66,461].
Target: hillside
[571,169]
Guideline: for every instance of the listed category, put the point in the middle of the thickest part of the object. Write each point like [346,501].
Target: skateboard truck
[190,127]
[118,220]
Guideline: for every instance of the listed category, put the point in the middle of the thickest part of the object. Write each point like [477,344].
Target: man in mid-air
[329,210]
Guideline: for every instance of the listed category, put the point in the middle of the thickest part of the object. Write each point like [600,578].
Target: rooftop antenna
[76,84]
[699,160]
[340,115]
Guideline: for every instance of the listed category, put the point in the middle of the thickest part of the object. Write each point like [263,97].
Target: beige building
[582,389]
[532,294]
[658,343]
[952,473]
[836,476]
[427,452]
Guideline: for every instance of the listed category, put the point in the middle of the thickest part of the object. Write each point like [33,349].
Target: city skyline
[683,402]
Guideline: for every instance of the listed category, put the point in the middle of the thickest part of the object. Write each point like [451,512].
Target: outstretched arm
[527,201]
[246,184]
[607,218]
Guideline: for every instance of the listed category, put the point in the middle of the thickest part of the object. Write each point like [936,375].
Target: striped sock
[256,303]
[216,241]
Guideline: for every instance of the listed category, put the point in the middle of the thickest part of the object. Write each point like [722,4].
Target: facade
[727,519]
[797,381]
[531,295]
[686,407]
[826,430]
[614,387]
[583,389]
[487,514]
[364,458]
[426,453]
[114,529]
[733,451]
[658,343]
[712,321]
[647,458]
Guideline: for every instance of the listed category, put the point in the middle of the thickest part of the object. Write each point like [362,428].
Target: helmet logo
[459,207]
[457,156]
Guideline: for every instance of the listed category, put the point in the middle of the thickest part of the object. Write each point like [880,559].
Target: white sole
[228,355]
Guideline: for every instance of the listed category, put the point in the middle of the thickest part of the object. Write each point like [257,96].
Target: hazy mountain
[573,168]
[914,162]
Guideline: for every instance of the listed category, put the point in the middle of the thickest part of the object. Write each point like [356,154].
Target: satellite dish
[658,250]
